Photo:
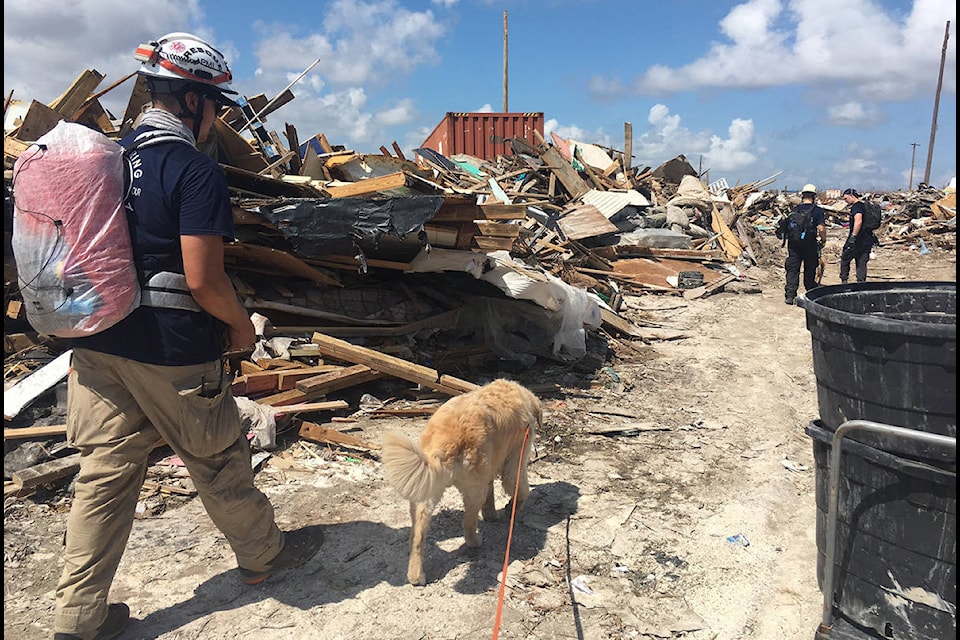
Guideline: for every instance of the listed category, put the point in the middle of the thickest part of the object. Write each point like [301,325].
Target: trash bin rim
[809,301]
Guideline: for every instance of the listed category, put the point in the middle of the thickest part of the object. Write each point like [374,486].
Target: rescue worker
[804,243]
[159,374]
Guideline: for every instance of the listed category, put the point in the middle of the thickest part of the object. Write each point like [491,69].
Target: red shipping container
[482,134]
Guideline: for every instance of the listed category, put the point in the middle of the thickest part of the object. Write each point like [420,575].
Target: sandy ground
[624,536]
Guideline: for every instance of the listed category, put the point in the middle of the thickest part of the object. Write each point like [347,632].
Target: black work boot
[118,614]
[298,547]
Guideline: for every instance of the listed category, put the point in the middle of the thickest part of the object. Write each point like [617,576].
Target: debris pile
[430,271]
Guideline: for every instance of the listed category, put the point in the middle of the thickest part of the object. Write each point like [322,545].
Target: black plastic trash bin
[886,352]
[895,560]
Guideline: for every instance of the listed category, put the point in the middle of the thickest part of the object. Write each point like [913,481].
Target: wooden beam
[318,433]
[38,120]
[47,471]
[23,433]
[77,94]
[347,377]
[392,366]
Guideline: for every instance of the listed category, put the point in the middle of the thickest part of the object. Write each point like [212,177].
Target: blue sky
[833,92]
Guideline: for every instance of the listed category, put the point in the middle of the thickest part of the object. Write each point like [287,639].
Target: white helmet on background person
[809,188]
[180,61]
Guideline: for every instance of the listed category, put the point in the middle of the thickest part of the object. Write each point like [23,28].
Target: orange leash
[506,556]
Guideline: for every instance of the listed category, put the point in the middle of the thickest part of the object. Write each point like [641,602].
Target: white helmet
[809,188]
[184,60]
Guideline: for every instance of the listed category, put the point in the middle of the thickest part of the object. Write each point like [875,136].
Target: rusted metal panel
[482,134]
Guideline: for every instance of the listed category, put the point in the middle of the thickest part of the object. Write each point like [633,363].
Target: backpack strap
[165,289]
[168,290]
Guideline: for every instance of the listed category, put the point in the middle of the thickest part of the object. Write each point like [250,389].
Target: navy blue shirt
[855,208]
[176,190]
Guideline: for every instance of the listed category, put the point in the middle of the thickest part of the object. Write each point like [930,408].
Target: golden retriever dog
[471,440]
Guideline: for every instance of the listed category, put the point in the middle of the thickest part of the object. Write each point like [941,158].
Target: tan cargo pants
[118,410]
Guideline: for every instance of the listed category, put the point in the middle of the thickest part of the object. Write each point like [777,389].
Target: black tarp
[318,227]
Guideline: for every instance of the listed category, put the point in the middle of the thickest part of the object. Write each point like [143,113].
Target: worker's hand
[848,247]
[242,337]
[820,245]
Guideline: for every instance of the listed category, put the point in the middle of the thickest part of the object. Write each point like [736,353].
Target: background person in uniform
[160,372]
[804,252]
[859,241]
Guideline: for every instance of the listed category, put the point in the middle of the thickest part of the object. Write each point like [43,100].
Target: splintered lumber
[276,379]
[23,433]
[701,291]
[321,385]
[391,365]
[38,120]
[12,148]
[76,96]
[317,433]
[335,380]
[566,174]
[397,184]
[727,238]
[309,407]
[279,262]
[46,472]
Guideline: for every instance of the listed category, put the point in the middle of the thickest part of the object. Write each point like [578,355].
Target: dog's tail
[412,474]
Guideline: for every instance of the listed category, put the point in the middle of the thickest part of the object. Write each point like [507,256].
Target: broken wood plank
[46,472]
[38,120]
[565,173]
[701,291]
[333,381]
[68,103]
[23,433]
[287,380]
[318,433]
[277,261]
[310,407]
[392,366]
[397,184]
[149,485]
[727,238]
[323,383]
[584,221]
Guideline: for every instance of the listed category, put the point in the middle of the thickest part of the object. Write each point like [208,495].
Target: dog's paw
[417,579]
[473,540]
[492,515]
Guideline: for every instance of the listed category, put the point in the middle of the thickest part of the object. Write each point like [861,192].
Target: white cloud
[854,44]
[854,114]
[48,43]
[735,152]
[363,47]
[401,113]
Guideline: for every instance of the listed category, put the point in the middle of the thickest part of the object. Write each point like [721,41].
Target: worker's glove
[820,245]
[848,247]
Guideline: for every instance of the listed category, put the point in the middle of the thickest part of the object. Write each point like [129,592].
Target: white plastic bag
[70,238]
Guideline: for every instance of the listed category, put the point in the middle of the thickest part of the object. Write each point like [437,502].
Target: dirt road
[694,518]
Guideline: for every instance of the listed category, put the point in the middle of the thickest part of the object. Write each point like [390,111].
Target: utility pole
[936,105]
[505,62]
[912,157]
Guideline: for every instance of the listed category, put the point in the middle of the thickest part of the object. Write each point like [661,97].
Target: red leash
[506,556]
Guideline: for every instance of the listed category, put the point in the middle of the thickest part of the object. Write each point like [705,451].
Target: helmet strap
[185,112]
